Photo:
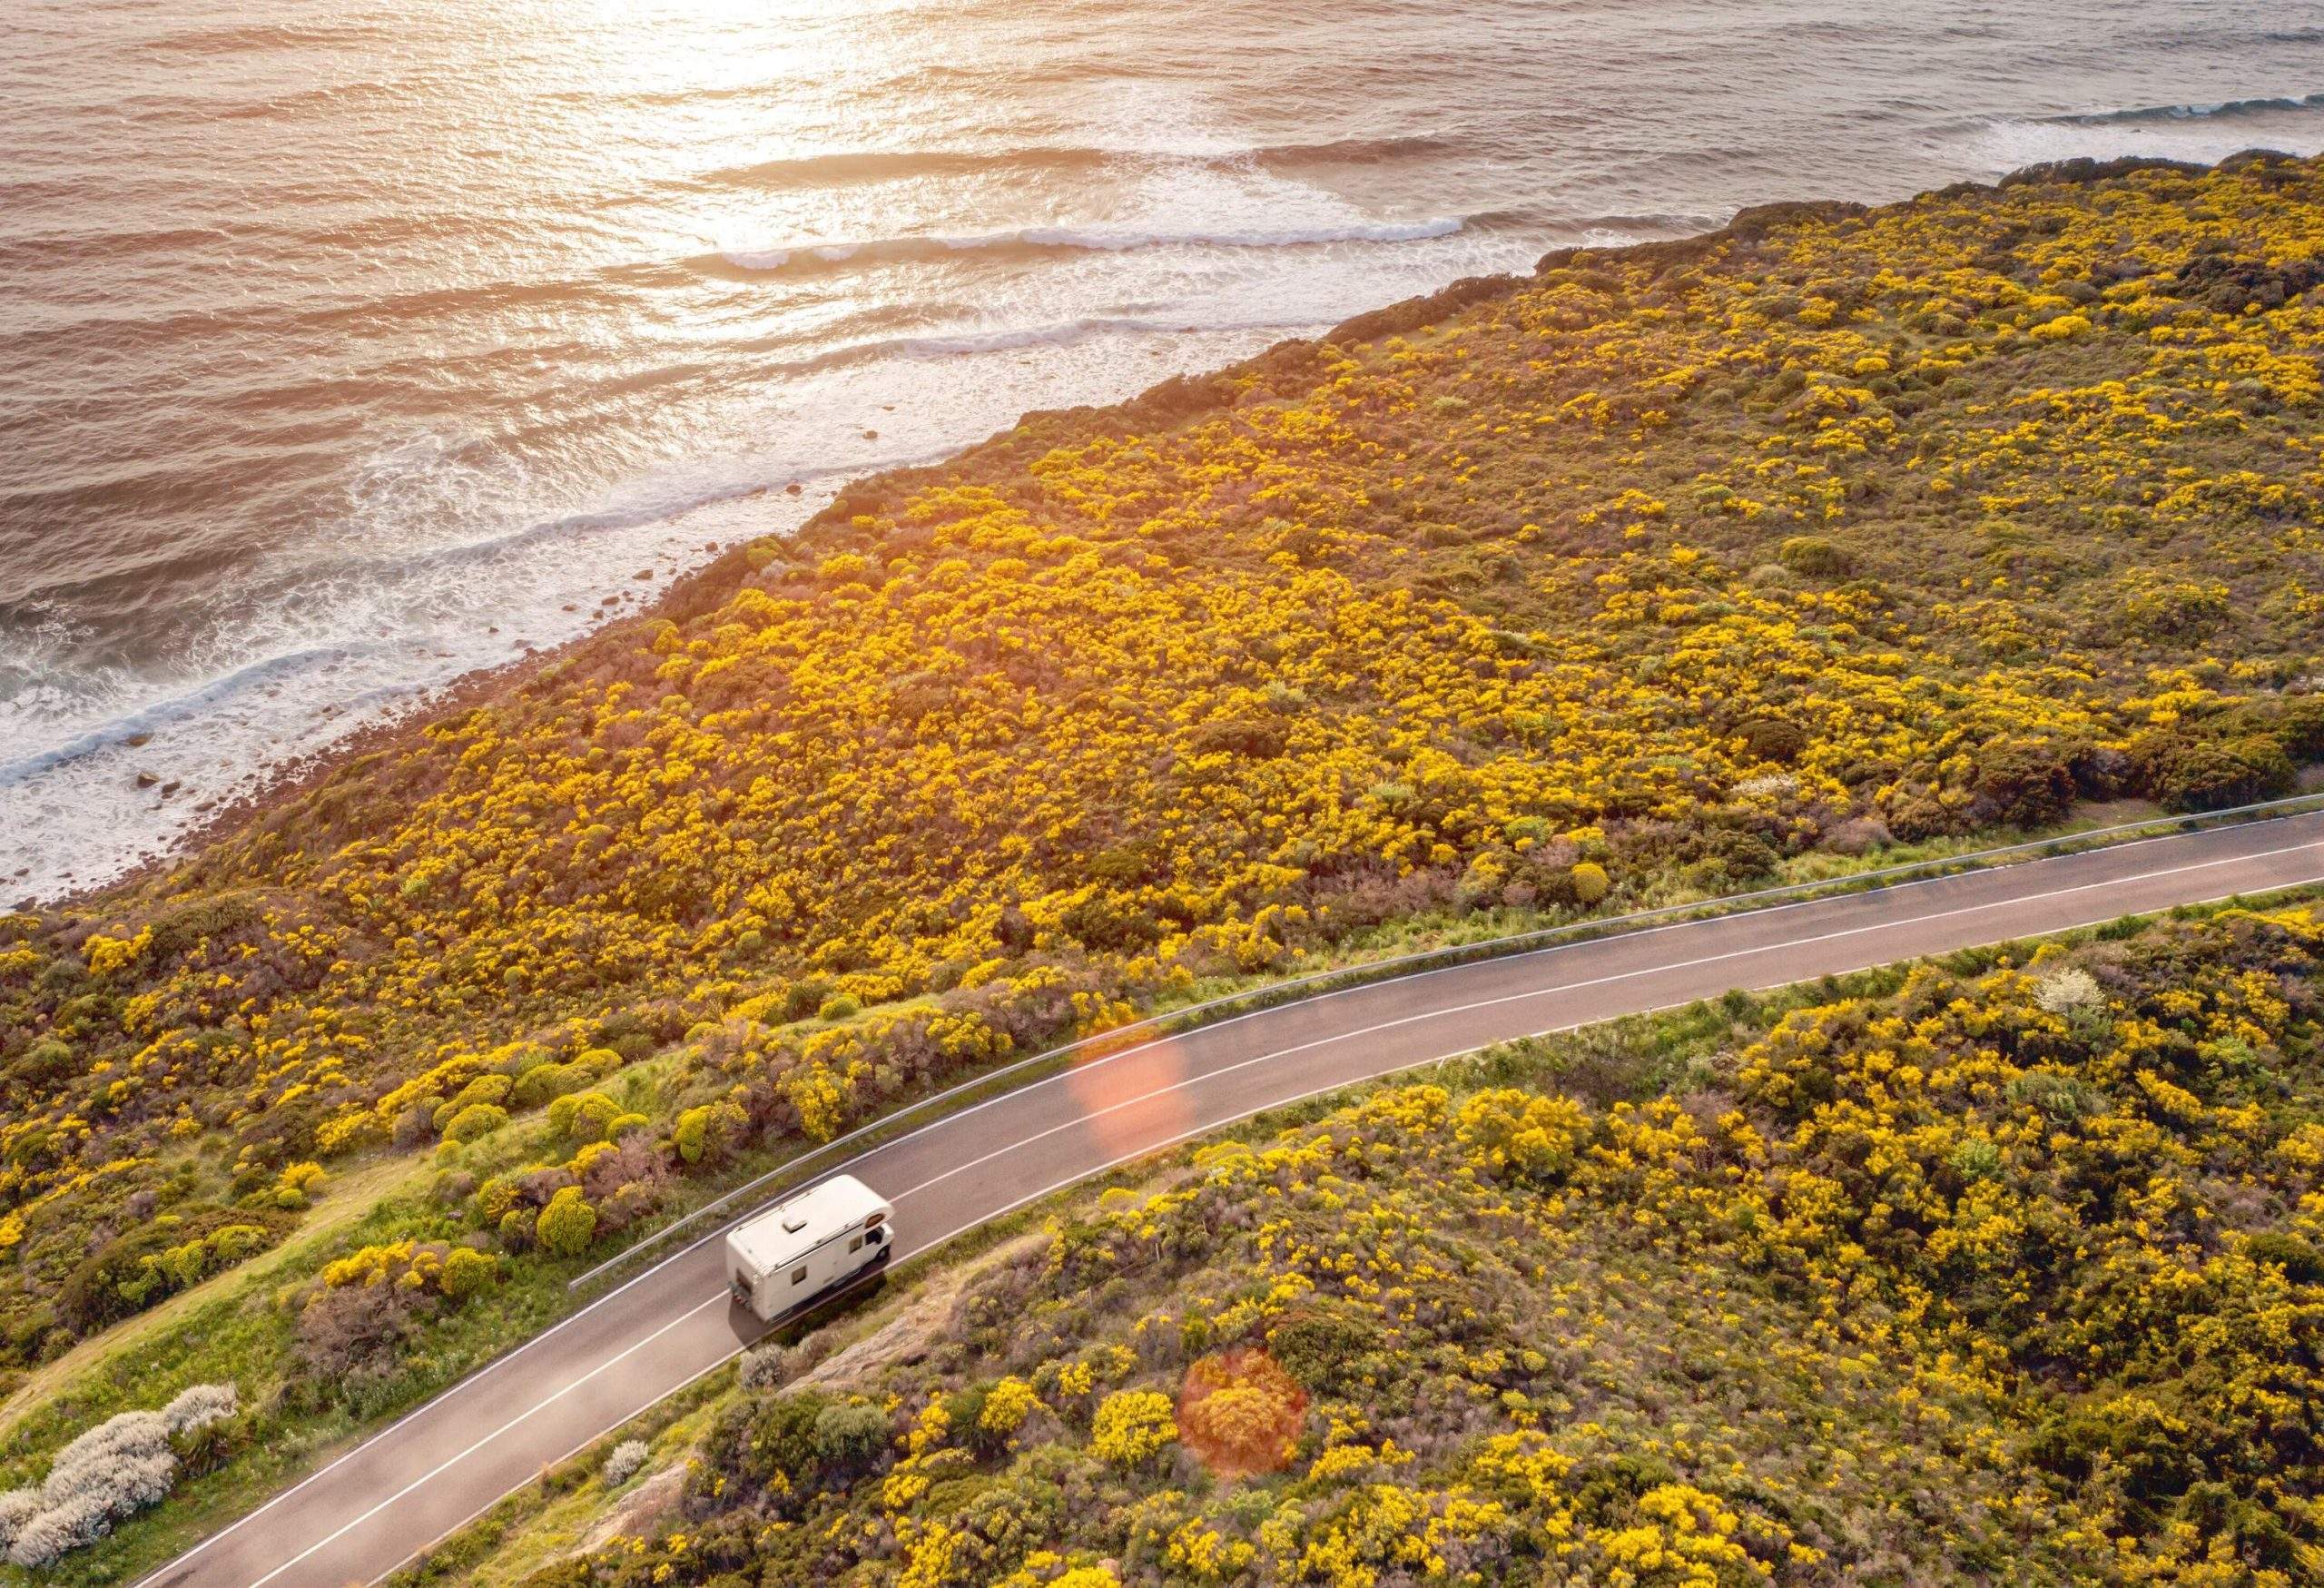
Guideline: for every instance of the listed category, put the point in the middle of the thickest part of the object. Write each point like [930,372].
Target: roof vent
[794,1223]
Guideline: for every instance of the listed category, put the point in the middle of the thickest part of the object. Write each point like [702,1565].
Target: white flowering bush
[201,1406]
[112,1471]
[764,1367]
[2066,990]
[628,1459]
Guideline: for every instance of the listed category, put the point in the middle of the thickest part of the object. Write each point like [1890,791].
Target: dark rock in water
[870,435]
[643,574]
[138,741]
[792,489]
[147,780]
[171,787]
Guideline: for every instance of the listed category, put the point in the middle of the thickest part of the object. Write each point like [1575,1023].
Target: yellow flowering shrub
[1132,1426]
[1004,1412]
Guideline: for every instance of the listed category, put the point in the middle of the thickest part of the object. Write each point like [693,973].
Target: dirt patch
[636,1512]
[911,1334]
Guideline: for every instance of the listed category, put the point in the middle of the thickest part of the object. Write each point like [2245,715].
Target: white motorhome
[798,1249]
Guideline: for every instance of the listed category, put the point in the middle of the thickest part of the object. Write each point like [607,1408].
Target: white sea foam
[2196,131]
[1091,239]
[2009,146]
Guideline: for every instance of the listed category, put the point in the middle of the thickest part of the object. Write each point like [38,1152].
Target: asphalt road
[388,1498]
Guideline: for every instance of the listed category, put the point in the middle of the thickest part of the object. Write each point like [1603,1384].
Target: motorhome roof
[787,1231]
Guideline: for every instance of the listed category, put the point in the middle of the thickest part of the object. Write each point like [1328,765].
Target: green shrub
[1774,739]
[2182,772]
[467,1271]
[489,1088]
[777,1436]
[44,1063]
[2302,1264]
[708,1133]
[805,997]
[586,1115]
[851,1437]
[1812,557]
[476,1120]
[544,1083]
[568,1224]
[2025,783]
[1321,1343]
[2298,727]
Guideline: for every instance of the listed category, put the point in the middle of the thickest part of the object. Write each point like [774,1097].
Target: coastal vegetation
[1654,573]
[2009,1269]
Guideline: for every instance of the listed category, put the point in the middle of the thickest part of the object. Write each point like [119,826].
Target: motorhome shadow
[807,1247]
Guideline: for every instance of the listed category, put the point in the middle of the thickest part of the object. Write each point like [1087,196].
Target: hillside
[1658,572]
[2001,1273]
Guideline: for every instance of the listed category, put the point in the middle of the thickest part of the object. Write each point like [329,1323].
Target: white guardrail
[1294,988]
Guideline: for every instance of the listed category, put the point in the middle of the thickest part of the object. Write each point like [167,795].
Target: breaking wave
[1101,240]
[2193,113]
[900,164]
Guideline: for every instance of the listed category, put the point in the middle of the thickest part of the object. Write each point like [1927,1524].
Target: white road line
[448,1464]
[1342,1084]
[1449,1010]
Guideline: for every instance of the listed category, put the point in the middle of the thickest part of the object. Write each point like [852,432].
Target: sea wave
[1094,239]
[2193,112]
[178,709]
[1681,221]
[1062,333]
[654,509]
[840,165]
[676,503]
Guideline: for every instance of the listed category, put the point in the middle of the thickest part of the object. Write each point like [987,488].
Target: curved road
[371,1510]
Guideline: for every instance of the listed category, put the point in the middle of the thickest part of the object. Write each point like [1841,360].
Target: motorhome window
[799,1276]
[856,1244]
[873,1222]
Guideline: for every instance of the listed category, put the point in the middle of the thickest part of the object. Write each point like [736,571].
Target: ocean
[349,350]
